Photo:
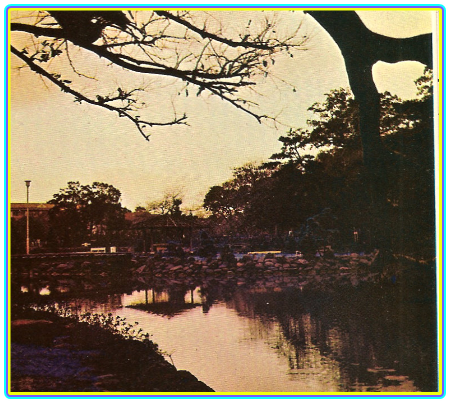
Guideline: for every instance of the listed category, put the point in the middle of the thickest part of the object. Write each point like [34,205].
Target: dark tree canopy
[319,176]
[361,49]
[81,212]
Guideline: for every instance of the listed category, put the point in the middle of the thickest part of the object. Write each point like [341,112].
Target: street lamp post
[27,183]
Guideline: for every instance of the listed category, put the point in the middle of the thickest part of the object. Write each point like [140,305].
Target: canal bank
[287,323]
[58,273]
[50,353]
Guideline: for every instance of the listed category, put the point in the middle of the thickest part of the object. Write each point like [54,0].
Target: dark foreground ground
[53,354]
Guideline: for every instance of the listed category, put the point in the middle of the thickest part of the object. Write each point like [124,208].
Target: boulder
[175,268]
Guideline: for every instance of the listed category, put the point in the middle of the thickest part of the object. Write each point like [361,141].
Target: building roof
[31,206]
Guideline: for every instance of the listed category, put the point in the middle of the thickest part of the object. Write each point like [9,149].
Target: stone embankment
[69,267]
[347,269]
[351,269]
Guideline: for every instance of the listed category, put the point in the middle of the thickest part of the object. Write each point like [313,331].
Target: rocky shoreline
[350,268]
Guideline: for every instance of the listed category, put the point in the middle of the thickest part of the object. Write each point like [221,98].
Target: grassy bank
[50,353]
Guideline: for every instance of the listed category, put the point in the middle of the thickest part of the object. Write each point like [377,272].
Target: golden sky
[52,140]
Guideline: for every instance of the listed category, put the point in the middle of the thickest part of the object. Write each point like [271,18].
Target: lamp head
[27,183]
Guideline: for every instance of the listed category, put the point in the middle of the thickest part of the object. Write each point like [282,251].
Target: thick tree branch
[37,31]
[213,82]
[356,41]
[158,47]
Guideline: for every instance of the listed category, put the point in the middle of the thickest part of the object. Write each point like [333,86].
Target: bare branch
[138,42]
[158,43]
[75,70]
[204,34]
[219,88]
[101,102]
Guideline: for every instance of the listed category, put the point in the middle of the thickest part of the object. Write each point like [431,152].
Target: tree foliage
[82,213]
[233,203]
[361,49]
[168,205]
[319,174]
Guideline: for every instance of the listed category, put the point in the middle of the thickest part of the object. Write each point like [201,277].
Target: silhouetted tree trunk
[361,49]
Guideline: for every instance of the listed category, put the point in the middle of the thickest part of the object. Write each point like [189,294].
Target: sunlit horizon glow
[53,140]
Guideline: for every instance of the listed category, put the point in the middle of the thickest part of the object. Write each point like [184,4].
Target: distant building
[142,231]
[37,210]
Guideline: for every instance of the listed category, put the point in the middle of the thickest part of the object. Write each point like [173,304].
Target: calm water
[264,338]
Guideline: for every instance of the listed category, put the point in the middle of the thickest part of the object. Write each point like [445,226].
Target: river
[258,337]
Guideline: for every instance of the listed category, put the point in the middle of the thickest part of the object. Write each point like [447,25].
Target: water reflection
[370,333]
[258,338]
[170,302]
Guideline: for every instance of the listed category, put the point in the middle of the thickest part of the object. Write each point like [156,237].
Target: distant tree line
[85,213]
[84,216]
[81,214]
